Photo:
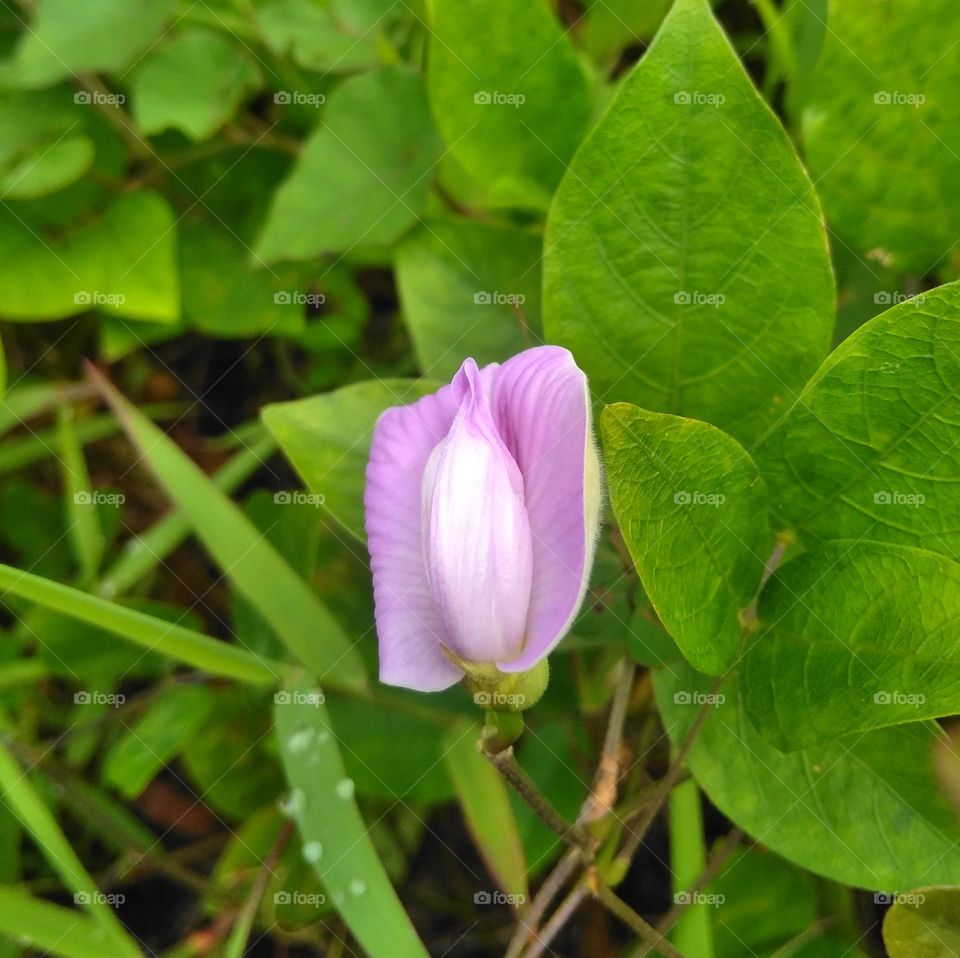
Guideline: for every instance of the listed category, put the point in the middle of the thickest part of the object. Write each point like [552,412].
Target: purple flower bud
[482,504]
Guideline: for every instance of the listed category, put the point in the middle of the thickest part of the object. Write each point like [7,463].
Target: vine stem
[506,764]
[644,930]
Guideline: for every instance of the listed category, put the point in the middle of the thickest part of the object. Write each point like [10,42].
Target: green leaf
[193,83]
[166,638]
[855,636]
[799,804]
[51,929]
[508,94]
[685,259]
[172,719]
[761,902]
[363,177]
[335,837]
[316,37]
[224,295]
[870,449]
[485,804]
[249,561]
[924,923]
[65,39]
[469,289]
[881,128]
[327,438]
[692,511]
[124,262]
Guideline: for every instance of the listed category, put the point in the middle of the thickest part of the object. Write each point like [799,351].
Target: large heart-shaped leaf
[692,511]
[871,449]
[855,636]
[685,261]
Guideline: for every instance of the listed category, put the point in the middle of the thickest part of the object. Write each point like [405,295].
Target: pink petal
[477,537]
[541,405]
[408,622]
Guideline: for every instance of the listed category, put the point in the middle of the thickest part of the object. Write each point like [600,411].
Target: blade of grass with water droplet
[336,838]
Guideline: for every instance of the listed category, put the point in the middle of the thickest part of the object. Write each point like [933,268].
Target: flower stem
[688,857]
[644,930]
[506,764]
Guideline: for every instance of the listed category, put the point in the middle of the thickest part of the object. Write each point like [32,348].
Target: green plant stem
[688,858]
[644,930]
[506,764]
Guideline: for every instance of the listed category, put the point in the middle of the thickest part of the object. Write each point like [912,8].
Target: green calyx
[503,691]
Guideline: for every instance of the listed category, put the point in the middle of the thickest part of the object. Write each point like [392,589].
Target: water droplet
[292,805]
[338,897]
[312,852]
[345,788]
[357,887]
[300,740]
[323,735]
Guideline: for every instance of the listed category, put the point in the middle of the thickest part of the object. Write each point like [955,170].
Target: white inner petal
[477,537]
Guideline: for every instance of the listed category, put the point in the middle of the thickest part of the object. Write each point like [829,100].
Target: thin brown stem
[558,920]
[664,786]
[529,924]
[716,861]
[506,764]
[603,795]
[644,930]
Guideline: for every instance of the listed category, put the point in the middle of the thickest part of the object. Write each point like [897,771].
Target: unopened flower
[482,503]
